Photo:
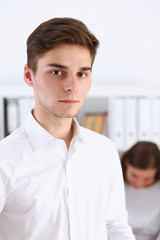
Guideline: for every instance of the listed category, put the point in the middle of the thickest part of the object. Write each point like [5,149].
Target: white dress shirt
[50,193]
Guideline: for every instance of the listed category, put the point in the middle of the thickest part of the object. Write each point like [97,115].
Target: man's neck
[58,127]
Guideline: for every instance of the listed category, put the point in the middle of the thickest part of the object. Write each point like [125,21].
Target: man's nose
[71,84]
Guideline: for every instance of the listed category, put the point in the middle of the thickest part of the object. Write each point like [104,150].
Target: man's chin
[67,115]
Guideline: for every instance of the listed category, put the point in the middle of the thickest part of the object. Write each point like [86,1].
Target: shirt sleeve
[116,215]
[2,193]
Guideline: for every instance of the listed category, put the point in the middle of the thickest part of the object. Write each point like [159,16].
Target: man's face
[62,80]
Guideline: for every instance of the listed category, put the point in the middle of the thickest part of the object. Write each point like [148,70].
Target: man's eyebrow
[57,65]
[85,69]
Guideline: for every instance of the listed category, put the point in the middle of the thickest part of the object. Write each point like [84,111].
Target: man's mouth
[69,101]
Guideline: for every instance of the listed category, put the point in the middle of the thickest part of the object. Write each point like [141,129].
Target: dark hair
[58,31]
[142,155]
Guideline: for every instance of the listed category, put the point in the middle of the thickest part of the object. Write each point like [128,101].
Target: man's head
[57,31]
[61,52]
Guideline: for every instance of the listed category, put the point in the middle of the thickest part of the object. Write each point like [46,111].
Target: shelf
[100,100]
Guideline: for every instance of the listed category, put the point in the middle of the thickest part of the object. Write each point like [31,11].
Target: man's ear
[28,76]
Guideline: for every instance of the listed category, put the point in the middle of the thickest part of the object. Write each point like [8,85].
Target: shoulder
[13,136]
[100,145]
[13,143]
[96,138]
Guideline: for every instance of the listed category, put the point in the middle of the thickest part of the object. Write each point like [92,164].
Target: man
[59,181]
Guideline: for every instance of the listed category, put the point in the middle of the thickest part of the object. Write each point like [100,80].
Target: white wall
[128,30]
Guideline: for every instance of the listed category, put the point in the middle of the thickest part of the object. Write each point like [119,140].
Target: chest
[52,182]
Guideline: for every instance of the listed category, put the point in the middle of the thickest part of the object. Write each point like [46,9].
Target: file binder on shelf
[2,134]
[155,120]
[16,111]
[11,115]
[105,127]
[130,120]
[94,121]
[144,119]
[116,121]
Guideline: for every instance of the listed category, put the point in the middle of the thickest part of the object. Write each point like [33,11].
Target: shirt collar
[39,137]
[77,134]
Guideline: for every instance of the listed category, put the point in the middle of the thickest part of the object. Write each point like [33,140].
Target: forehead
[67,54]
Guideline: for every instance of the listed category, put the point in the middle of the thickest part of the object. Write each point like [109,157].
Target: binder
[11,115]
[2,127]
[130,131]
[144,119]
[155,120]
[94,121]
[105,127]
[116,122]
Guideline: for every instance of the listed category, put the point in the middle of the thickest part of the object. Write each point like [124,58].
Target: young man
[59,181]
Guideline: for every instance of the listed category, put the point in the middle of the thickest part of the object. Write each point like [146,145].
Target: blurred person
[141,171]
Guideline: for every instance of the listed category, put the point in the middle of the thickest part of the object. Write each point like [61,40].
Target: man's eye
[82,75]
[56,72]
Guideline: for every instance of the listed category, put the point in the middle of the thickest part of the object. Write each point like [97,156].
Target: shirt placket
[65,156]
[71,194]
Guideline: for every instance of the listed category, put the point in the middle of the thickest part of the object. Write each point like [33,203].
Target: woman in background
[141,170]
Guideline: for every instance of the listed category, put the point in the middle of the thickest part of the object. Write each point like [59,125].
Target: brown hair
[142,155]
[57,31]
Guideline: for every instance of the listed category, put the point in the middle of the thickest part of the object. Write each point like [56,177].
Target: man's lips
[68,101]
